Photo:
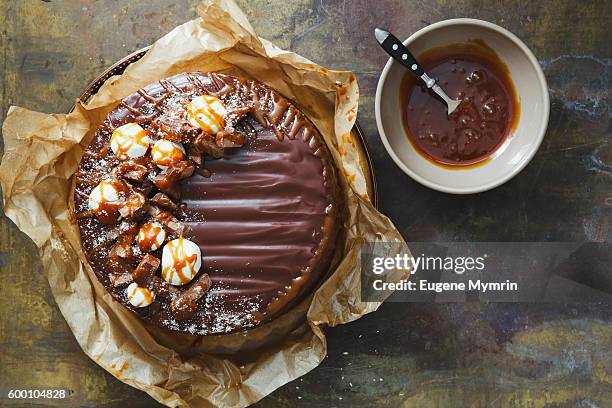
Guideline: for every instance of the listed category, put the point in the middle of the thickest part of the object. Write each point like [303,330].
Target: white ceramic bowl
[520,147]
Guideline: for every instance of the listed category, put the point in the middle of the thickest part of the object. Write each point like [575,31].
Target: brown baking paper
[42,152]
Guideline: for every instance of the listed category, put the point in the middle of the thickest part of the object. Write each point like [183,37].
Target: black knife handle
[400,53]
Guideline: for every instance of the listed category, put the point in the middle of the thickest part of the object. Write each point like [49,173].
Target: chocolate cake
[207,203]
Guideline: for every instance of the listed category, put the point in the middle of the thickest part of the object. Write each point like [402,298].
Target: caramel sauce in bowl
[496,130]
[486,117]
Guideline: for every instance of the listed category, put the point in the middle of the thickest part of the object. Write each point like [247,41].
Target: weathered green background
[405,354]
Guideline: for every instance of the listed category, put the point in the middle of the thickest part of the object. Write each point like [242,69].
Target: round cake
[207,203]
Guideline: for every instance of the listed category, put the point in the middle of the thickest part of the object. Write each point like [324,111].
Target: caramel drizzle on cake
[125,193]
[150,192]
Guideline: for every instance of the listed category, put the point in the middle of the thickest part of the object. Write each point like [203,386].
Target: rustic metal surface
[405,354]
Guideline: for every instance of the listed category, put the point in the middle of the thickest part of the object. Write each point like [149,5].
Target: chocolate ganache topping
[207,203]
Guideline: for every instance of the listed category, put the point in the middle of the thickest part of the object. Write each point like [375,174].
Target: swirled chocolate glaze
[265,215]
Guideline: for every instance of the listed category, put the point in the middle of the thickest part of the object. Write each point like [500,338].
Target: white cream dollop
[130,141]
[181,261]
[208,113]
[151,236]
[139,297]
[165,152]
[106,193]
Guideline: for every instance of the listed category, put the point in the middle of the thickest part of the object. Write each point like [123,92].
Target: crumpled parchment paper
[42,152]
